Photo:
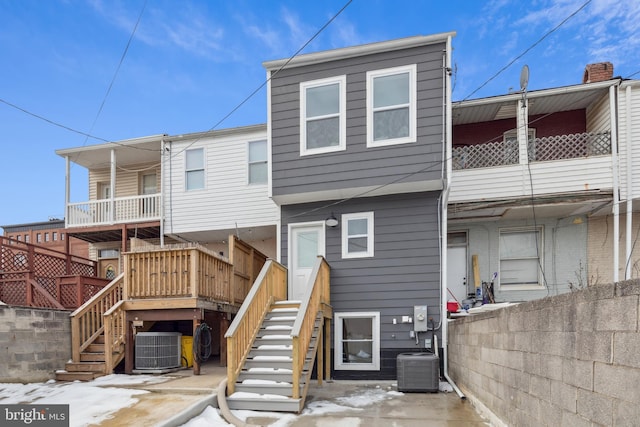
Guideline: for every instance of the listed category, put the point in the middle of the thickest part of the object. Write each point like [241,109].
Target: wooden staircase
[266,380]
[91,364]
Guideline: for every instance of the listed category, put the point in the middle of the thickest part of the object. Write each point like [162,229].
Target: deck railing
[269,287]
[315,300]
[87,322]
[145,207]
[22,264]
[557,147]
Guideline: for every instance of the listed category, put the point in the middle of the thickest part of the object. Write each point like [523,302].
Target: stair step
[92,357]
[264,402]
[279,321]
[270,350]
[84,367]
[273,339]
[99,339]
[95,348]
[271,362]
[278,376]
[266,387]
[77,376]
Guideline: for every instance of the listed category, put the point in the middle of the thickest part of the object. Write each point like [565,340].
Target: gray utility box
[418,372]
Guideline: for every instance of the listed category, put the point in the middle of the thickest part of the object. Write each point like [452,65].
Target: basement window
[357,341]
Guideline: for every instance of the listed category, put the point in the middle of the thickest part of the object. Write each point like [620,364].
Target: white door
[306,242]
[457,272]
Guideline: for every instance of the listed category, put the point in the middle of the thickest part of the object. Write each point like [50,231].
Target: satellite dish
[524,78]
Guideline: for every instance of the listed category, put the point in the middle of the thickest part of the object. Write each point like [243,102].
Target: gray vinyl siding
[357,166]
[405,269]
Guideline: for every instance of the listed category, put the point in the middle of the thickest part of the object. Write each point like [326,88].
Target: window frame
[341,114]
[202,168]
[540,259]
[369,253]
[339,364]
[257,162]
[412,105]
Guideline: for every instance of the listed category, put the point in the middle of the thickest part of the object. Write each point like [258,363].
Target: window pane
[358,328]
[323,133]
[258,151]
[391,90]
[520,271]
[390,124]
[307,243]
[258,173]
[195,180]
[195,159]
[357,244]
[323,100]
[357,226]
[518,244]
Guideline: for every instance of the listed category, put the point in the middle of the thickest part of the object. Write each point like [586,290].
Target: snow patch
[279,328]
[274,358]
[246,395]
[272,370]
[276,337]
[275,347]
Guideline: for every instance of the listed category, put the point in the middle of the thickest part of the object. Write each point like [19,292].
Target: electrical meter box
[420,318]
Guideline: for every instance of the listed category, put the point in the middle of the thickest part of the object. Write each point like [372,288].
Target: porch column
[112,210]
[616,183]
[196,362]
[67,190]
[523,131]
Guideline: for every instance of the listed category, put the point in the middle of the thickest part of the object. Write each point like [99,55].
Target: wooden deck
[180,282]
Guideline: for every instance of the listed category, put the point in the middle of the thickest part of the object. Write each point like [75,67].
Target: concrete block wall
[34,343]
[570,360]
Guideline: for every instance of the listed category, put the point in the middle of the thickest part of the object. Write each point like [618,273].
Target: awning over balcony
[114,233]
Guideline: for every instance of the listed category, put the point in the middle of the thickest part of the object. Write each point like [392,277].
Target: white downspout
[67,191]
[443,216]
[616,186]
[628,147]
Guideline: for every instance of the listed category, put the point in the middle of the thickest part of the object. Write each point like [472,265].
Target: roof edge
[360,50]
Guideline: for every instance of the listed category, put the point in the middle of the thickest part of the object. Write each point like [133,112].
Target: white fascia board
[354,51]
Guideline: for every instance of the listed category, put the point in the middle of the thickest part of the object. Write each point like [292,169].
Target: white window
[391,106]
[520,258]
[322,115]
[194,167]
[258,169]
[357,235]
[357,341]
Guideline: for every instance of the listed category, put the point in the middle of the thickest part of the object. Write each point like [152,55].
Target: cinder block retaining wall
[569,360]
[34,343]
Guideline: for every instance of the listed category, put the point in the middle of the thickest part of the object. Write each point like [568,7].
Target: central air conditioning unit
[418,372]
[158,350]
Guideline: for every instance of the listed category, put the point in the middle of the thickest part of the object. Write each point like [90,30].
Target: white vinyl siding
[521,252]
[322,115]
[194,169]
[127,181]
[257,162]
[228,202]
[357,341]
[391,106]
[357,235]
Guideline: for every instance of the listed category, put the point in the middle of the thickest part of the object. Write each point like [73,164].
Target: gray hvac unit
[158,350]
[418,372]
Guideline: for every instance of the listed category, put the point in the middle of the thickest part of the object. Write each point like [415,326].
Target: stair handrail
[87,321]
[114,336]
[270,286]
[316,294]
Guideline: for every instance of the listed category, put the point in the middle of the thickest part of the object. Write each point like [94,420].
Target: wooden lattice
[28,274]
[572,146]
[486,155]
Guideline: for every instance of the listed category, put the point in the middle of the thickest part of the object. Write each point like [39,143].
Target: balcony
[554,165]
[120,210]
[558,147]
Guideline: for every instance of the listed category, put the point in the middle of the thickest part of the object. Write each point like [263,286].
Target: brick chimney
[597,72]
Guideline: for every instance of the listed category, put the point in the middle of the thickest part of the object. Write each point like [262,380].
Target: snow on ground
[89,403]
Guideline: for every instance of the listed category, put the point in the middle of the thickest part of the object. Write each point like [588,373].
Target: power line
[528,49]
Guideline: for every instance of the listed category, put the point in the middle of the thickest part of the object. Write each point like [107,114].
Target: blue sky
[191,62]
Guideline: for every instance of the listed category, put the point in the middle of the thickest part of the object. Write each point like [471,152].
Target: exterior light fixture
[331,221]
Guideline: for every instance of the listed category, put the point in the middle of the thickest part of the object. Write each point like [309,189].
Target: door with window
[306,242]
[457,265]
[149,187]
